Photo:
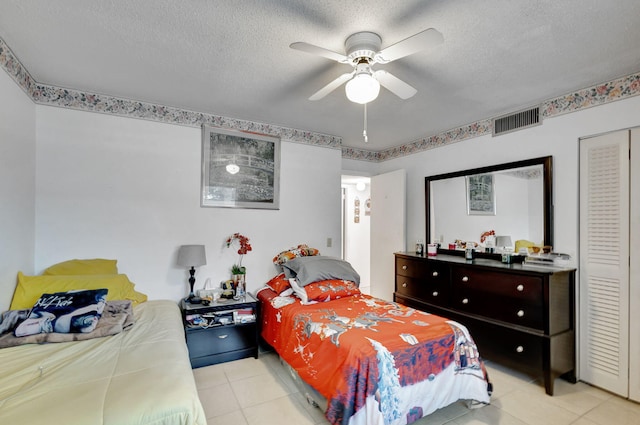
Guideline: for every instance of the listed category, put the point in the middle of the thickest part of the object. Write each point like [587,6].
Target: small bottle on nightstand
[240,291]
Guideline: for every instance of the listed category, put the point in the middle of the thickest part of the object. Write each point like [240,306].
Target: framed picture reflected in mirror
[481,195]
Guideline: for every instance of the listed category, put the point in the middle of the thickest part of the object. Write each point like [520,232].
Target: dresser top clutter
[516,266]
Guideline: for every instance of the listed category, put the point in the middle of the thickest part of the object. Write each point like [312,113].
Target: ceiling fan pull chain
[364,133]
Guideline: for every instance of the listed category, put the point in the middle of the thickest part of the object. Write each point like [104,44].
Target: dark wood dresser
[519,315]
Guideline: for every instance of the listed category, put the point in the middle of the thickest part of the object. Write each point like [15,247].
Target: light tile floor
[261,392]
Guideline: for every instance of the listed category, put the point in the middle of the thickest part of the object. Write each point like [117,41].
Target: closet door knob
[520,288]
[520,313]
[435,293]
[465,278]
[404,267]
[519,349]
[404,285]
[434,274]
[465,301]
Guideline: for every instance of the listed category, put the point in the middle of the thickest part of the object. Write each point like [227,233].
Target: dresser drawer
[509,346]
[411,268]
[507,297]
[430,291]
[499,308]
[514,287]
[202,342]
[420,268]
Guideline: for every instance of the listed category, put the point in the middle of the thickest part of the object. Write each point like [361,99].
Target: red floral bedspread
[374,361]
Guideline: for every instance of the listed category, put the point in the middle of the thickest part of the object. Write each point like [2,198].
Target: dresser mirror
[512,199]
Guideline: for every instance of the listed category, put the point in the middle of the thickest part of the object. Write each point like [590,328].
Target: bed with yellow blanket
[82,346]
[139,376]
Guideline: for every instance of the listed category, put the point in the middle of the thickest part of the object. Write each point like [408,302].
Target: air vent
[517,121]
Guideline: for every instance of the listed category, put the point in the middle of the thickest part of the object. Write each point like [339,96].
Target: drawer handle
[465,301]
[519,349]
[434,274]
[404,285]
[520,313]
[435,293]
[404,267]
[465,278]
[223,336]
[520,288]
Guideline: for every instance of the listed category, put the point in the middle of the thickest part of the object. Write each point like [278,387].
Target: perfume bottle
[419,247]
[468,252]
[240,290]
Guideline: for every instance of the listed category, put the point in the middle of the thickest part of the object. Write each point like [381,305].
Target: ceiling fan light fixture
[362,88]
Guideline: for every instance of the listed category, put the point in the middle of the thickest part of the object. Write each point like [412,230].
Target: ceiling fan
[362,52]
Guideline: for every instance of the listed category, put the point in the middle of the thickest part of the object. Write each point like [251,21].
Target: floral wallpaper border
[75,99]
[599,94]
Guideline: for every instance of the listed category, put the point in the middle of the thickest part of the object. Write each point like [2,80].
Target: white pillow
[299,291]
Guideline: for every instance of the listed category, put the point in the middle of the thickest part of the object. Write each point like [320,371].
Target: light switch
[329,242]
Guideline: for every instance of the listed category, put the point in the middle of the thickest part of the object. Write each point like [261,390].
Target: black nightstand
[230,331]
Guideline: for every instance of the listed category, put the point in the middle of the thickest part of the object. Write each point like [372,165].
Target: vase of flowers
[238,275]
[238,271]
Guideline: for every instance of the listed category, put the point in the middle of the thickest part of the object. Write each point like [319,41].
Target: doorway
[356,226]
[379,230]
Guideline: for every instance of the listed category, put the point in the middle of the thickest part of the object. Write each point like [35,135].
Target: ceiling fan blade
[424,40]
[394,84]
[319,51]
[332,86]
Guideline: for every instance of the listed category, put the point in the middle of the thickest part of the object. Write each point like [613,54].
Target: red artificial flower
[484,236]
[245,246]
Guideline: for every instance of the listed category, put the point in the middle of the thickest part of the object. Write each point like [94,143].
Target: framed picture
[240,169]
[481,195]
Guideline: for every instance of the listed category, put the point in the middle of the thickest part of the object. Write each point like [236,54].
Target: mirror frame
[547,195]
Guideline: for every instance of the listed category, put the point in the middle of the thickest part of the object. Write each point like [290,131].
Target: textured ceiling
[233,58]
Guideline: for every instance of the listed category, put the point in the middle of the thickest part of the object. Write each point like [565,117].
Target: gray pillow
[312,269]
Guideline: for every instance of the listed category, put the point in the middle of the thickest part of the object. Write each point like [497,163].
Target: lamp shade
[362,88]
[191,256]
[503,241]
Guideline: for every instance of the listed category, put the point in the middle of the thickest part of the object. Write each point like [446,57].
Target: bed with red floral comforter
[376,362]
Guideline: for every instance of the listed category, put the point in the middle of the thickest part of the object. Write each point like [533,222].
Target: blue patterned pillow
[65,312]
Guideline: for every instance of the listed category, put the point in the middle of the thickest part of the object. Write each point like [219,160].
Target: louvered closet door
[634,269]
[604,261]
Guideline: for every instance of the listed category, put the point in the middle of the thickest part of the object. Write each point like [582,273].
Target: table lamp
[503,242]
[192,256]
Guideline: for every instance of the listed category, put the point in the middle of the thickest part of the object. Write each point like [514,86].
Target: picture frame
[239,169]
[481,195]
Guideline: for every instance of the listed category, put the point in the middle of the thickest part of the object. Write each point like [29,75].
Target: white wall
[17,185]
[129,189]
[557,136]
[122,188]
